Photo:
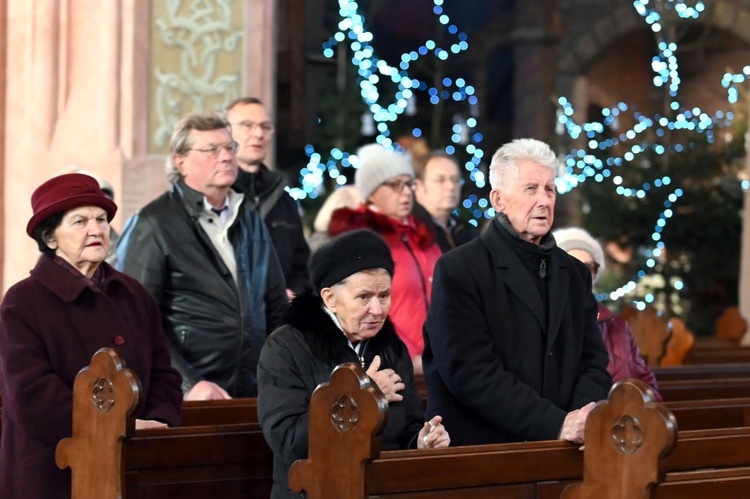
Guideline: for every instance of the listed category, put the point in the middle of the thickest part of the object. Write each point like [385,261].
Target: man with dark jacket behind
[437,194]
[512,350]
[208,260]
[266,190]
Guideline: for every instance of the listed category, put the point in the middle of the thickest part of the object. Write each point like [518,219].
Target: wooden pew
[232,459]
[701,371]
[644,462]
[651,330]
[704,389]
[717,351]
[679,345]
[345,461]
[220,412]
[109,457]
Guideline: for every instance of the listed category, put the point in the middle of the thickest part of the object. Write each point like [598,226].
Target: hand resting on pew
[575,423]
[206,390]
[149,424]
[433,435]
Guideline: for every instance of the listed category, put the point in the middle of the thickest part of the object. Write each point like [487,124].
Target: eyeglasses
[213,151]
[398,185]
[266,127]
[592,266]
[441,179]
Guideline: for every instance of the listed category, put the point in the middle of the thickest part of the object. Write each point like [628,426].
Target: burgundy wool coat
[51,323]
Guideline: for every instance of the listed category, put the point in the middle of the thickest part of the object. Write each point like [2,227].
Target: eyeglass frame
[397,186]
[592,266]
[266,127]
[216,149]
[441,179]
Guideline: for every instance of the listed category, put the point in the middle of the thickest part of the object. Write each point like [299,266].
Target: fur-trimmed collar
[327,342]
[347,219]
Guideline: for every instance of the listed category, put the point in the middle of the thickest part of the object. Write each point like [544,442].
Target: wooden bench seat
[232,460]
[702,371]
[220,412]
[198,462]
[704,389]
[701,463]
[110,459]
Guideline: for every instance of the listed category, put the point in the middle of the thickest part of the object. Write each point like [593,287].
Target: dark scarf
[535,257]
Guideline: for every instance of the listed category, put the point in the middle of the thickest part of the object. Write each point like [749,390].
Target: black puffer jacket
[215,327]
[266,192]
[298,357]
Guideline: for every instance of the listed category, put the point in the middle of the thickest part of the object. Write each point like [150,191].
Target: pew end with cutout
[347,415]
[651,331]
[627,437]
[105,394]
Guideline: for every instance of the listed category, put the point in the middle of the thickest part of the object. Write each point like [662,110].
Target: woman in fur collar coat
[385,181]
[345,320]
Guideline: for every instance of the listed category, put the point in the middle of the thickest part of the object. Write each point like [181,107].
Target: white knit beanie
[575,238]
[377,165]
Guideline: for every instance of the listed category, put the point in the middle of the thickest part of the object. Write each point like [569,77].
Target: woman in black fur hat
[344,320]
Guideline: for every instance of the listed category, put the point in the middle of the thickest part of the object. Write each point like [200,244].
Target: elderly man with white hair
[512,351]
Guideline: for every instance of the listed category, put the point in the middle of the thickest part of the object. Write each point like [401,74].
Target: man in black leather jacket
[208,260]
[252,129]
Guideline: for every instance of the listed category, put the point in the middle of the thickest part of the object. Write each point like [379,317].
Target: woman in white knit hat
[625,359]
[385,181]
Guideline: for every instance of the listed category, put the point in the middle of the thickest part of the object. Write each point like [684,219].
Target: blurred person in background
[625,359]
[265,189]
[438,191]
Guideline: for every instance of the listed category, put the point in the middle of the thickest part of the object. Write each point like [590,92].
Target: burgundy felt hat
[65,192]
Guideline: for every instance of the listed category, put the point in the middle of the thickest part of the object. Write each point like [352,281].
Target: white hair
[504,166]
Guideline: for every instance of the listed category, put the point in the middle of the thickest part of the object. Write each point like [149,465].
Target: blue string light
[372,71]
[582,164]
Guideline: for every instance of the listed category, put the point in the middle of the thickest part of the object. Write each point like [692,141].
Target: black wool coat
[498,368]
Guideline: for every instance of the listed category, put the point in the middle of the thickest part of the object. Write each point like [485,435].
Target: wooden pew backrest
[651,332]
[626,438]
[347,415]
[104,395]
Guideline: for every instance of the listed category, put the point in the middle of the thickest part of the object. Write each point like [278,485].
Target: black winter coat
[499,365]
[302,354]
[266,193]
[459,233]
[215,327]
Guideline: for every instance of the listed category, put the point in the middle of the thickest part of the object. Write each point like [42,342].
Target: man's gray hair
[181,142]
[504,166]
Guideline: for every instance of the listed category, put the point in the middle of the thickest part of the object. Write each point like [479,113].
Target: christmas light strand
[582,164]
[373,71]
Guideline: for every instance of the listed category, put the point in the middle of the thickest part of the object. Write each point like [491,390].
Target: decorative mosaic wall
[196,61]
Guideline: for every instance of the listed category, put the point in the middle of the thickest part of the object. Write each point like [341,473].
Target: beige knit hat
[575,238]
[377,165]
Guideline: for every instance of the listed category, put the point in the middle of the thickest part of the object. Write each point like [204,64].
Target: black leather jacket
[215,327]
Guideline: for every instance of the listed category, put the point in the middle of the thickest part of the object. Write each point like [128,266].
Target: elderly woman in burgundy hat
[52,322]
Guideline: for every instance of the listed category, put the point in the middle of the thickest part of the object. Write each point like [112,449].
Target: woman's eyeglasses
[398,185]
[592,266]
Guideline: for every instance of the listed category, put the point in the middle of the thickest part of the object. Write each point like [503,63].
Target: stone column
[535,58]
[98,85]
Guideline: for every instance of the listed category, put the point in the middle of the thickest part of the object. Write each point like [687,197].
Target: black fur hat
[348,254]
